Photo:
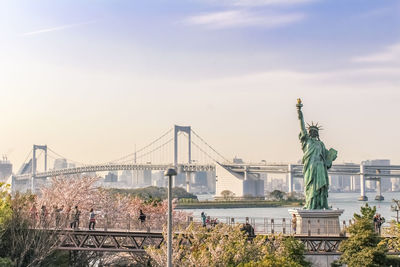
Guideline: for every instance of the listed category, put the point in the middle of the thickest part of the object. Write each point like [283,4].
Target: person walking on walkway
[33,214]
[380,221]
[92,219]
[43,216]
[67,218]
[76,215]
[294,223]
[203,218]
[142,218]
[57,215]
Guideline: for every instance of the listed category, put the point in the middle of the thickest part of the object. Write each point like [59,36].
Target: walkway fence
[156,223]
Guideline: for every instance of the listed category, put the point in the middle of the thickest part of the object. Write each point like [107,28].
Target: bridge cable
[151,151]
[196,145]
[73,161]
[143,148]
[27,156]
[209,146]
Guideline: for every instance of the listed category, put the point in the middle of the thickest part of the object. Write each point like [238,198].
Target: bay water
[346,201]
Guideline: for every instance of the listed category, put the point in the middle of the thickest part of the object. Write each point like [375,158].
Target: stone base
[363,198]
[379,198]
[317,222]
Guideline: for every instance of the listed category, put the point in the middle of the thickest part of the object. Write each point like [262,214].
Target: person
[294,223]
[33,213]
[248,228]
[43,216]
[75,222]
[203,218]
[92,219]
[376,222]
[380,221]
[57,215]
[142,217]
[317,160]
[67,216]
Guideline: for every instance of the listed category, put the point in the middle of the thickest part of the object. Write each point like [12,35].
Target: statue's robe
[316,181]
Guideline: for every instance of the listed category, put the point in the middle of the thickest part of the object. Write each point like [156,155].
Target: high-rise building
[111,177]
[126,177]
[158,179]
[60,164]
[5,169]
[211,181]
[141,178]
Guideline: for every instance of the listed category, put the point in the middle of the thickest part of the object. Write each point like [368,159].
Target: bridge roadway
[116,167]
[370,171]
[137,241]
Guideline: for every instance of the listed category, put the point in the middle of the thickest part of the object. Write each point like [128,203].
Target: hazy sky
[93,78]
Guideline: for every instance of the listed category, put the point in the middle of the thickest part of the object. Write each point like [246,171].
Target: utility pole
[170,172]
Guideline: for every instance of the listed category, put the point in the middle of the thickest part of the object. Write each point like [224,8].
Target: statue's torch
[299,105]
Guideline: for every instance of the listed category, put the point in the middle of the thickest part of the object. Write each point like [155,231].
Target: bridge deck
[116,240]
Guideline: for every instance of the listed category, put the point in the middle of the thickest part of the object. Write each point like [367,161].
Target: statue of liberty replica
[317,160]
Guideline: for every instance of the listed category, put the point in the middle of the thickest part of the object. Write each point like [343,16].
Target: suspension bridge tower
[188,131]
[34,163]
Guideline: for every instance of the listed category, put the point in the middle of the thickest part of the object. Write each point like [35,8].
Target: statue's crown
[313,126]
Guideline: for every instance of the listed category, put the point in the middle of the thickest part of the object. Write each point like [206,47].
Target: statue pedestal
[317,222]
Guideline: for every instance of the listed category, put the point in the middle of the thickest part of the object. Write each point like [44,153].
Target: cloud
[243,18]
[59,28]
[357,79]
[390,54]
[270,2]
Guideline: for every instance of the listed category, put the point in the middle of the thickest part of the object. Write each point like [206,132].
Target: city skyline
[92,81]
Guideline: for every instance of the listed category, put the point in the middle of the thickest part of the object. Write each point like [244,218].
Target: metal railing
[156,223]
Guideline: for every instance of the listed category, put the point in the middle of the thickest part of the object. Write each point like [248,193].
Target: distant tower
[5,169]
[188,131]
[34,165]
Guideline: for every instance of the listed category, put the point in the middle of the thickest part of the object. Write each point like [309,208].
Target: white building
[236,183]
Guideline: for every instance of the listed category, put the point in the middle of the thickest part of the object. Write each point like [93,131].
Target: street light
[170,172]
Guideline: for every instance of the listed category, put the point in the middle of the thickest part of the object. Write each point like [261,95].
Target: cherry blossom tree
[113,210]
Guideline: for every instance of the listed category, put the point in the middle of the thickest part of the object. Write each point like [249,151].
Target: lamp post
[170,172]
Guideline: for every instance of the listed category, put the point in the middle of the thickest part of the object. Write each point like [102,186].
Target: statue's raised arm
[300,113]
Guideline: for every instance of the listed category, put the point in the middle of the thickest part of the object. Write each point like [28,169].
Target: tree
[5,215]
[277,194]
[225,245]
[227,194]
[25,240]
[112,209]
[363,247]
[117,210]
[154,193]
[393,243]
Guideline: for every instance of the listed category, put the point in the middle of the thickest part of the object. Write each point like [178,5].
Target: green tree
[24,240]
[226,245]
[154,193]
[277,194]
[227,194]
[281,252]
[5,205]
[363,248]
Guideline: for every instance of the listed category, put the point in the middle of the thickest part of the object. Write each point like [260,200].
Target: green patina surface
[317,160]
